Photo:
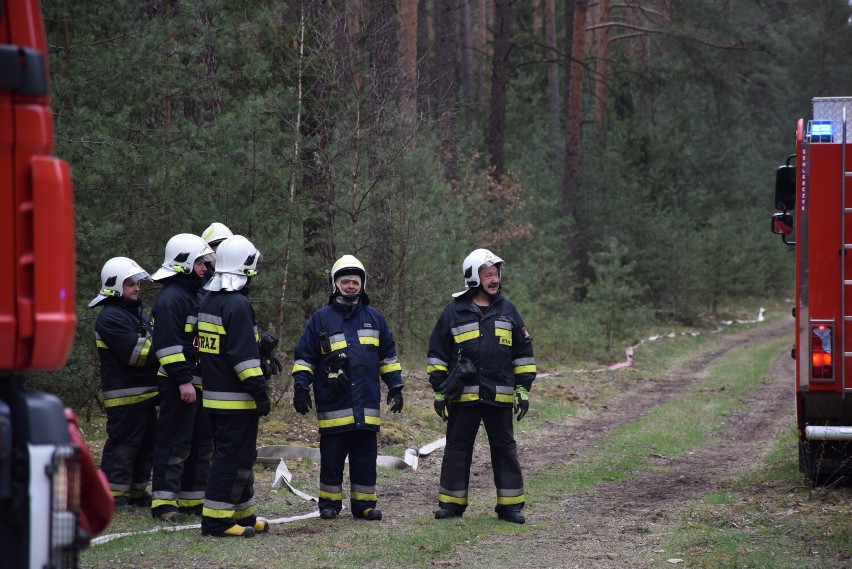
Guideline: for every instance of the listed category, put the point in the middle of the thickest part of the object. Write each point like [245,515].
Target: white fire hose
[274,455]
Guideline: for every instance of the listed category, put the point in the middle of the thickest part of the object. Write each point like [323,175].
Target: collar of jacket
[465,302]
[126,303]
[190,281]
[362,298]
[347,309]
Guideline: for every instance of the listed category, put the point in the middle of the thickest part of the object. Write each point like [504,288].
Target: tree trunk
[499,85]
[480,49]
[601,14]
[552,55]
[203,105]
[575,20]
[445,51]
[408,55]
[315,134]
[424,57]
[383,69]
[466,59]
[342,43]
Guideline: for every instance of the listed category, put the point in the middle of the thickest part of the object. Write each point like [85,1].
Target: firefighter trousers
[183,450]
[362,447]
[462,428]
[128,453]
[228,499]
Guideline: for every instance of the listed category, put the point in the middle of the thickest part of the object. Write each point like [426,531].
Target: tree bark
[424,59]
[445,51]
[552,55]
[315,133]
[383,70]
[342,43]
[499,85]
[408,55]
[466,59]
[575,20]
[600,37]
[480,49]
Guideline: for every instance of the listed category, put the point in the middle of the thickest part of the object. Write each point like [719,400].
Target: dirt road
[616,526]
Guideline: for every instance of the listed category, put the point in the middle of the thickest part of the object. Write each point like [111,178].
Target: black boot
[328,514]
[514,516]
[445,513]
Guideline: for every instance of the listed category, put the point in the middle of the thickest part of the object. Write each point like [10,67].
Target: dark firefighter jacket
[175,314]
[495,341]
[128,365]
[228,353]
[361,333]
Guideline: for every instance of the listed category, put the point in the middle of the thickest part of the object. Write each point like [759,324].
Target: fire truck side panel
[824,245]
[8,319]
[801,307]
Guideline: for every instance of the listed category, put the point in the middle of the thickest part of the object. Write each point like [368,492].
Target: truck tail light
[822,362]
[65,507]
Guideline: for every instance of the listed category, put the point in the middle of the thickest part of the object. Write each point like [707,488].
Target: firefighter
[214,234]
[480,365]
[184,442]
[345,348]
[235,391]
[128,381]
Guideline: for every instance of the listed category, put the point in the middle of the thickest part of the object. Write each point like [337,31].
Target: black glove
[263,405]
[302,400]
[441,407]
[270,366]
[522,401]
[337,380]
[451,387]
[395,399]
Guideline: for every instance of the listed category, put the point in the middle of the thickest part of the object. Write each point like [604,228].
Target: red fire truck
[813,191]
[52,497]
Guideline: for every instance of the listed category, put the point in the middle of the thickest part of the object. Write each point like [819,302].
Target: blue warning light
[821,131]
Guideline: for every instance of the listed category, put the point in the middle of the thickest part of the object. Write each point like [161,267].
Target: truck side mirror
[782,223]
[785,187]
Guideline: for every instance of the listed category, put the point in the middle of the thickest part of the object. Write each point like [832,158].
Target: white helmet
[115,272]
[182,251]
[477,260]
[216,233]
[236,262]
[347,265]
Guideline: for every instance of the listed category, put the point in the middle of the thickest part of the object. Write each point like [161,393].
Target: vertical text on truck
[813,191]
[52,497]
